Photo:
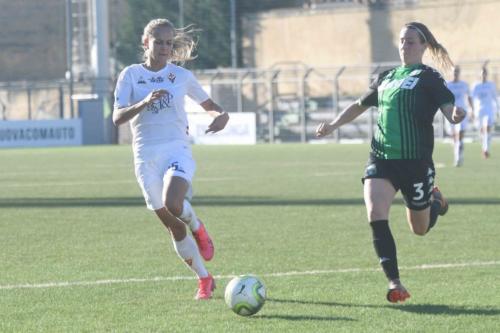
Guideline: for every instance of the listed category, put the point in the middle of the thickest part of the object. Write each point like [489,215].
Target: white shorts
[155,165]
[485,118]
[460,127]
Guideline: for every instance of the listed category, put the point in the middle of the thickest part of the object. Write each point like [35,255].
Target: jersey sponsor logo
[163,103]
[141,81]
[409,82]
[171,77]
[157,79]
[406,83]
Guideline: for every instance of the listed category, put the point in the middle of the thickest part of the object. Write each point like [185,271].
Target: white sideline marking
[54,184]
[177,278]
[100,182]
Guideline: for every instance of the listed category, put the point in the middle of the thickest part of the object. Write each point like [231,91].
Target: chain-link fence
[289,99]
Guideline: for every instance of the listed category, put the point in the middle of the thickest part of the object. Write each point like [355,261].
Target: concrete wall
[363,34]
[32,40]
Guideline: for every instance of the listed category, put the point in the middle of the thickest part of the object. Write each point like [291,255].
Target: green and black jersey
[407,97]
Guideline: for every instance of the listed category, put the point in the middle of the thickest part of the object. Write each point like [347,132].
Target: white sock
[461,151]
[456,151]
[485,141]
[488,141]
[188,251]
[189,216]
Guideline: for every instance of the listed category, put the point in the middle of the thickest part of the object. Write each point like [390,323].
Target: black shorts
[415,178]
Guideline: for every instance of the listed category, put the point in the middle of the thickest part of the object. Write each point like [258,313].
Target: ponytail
[438,52]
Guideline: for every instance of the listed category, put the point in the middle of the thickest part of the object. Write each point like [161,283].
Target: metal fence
[40,100]
[289,99]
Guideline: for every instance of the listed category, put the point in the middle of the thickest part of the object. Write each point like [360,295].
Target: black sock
[385,247]
[435,208]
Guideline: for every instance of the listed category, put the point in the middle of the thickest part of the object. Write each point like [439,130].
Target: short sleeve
[370,98]
[123,90]
[195,90]
[438,89]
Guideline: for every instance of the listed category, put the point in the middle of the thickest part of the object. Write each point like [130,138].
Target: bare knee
[175,207]
[377,213]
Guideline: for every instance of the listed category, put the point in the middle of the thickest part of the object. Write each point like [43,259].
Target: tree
[210,16]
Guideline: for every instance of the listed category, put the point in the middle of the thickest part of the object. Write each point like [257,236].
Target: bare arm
[471,104]
[123,115]
[347,115]
[454,114]
[220,116]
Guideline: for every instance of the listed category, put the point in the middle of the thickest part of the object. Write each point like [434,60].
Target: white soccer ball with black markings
[245,295]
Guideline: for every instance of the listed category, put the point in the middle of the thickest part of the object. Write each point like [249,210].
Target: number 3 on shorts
[419,191]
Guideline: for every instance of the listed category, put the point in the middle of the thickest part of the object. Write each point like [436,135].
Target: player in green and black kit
[407,97]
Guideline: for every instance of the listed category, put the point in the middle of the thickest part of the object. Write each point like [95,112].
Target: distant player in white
[460,90]
[486,106]
[151,97]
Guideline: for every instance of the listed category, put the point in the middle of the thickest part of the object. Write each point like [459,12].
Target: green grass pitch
[80,252]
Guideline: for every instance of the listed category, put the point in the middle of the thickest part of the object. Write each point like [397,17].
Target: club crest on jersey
[171,77]
[157,79]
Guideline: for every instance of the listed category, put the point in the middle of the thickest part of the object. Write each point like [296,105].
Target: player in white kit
[486,106]
[460,90]
[150,96]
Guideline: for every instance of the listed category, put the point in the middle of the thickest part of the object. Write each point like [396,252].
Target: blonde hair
[438,52]
[184,40]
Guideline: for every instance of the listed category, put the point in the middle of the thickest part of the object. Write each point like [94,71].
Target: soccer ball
[245,295]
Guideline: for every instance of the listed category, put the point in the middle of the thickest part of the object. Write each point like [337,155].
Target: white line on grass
[292,273]
[100,182]
[56,183]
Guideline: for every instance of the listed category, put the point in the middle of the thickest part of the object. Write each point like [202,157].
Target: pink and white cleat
[205,288]
[205,244]
[397,292]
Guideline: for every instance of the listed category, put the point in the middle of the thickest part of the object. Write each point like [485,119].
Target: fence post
[270,91]
[303,106]
[28,91]
[61,102]
[337,97]
[240,88]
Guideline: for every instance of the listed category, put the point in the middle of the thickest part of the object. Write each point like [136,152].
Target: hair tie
[419,32]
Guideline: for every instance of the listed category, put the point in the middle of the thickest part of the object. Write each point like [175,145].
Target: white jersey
[485,95]
[165,120]
[460,90]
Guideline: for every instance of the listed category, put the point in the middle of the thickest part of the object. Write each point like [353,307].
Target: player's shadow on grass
[221,201]
[303,317]
[449,310]
[435,309]
[294,317]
